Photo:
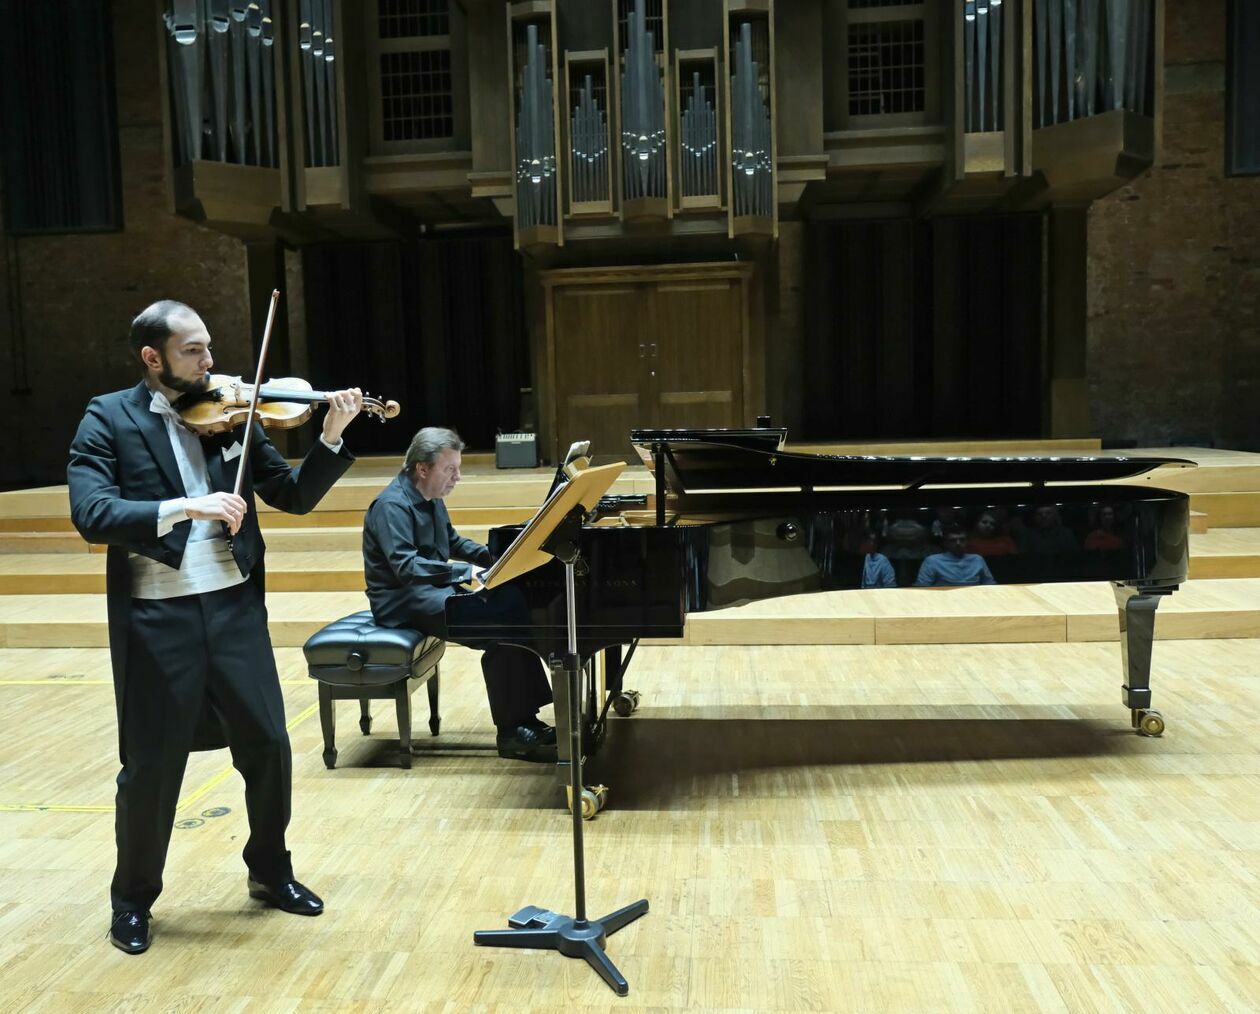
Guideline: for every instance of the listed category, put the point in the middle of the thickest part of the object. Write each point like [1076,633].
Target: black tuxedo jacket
[122,468]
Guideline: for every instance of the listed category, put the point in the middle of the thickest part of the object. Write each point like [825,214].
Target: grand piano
[737,518]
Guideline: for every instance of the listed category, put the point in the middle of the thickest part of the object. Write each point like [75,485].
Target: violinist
[191,655]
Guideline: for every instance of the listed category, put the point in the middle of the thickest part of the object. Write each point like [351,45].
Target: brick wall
[1174,268]
[78,293]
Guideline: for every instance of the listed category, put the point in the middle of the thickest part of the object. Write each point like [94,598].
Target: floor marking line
[56,683]
[52,808]
[187,801]
[51,682]
[223,775]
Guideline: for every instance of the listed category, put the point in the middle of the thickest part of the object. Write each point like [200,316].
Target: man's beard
[168,379]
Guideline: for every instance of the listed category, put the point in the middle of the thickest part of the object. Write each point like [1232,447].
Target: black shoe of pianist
[530,741]
[129,932]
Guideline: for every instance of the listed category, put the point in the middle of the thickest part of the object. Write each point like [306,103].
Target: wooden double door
[638,347]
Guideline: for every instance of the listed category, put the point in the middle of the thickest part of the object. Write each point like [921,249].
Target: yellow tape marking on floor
[187,801]
[227,772]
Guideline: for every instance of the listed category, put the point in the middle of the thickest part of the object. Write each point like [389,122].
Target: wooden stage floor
[898,801]
[875,828]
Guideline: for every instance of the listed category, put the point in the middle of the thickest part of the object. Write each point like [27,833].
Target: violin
[282,403]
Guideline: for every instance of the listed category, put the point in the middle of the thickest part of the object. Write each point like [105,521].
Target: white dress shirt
[208,564]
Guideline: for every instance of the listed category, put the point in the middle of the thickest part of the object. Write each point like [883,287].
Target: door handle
[653,350]
[641,348]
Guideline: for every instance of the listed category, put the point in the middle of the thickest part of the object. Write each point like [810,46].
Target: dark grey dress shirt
[408,543]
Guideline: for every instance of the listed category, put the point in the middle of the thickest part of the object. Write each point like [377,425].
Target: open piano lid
[698,461]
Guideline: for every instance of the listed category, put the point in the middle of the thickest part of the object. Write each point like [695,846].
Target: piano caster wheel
[593,799]
[365,725]
[1148,723]
[626,703]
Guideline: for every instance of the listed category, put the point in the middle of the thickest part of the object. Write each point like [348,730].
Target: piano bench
[355,660]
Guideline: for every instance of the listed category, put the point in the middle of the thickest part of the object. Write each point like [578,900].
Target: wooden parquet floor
[817,828]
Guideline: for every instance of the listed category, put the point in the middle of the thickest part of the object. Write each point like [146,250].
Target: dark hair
[427,444]
[152,325]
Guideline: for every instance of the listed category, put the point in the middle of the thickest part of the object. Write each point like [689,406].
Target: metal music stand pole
[536,928]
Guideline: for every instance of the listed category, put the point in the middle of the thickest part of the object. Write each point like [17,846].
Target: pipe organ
[982,41]
[535,138]
[254,100]
[536,176]
[699,139]
[604,119]
[753,207]
[221,67]
[1091,56]
[644,176]
[590,179]
[317,55]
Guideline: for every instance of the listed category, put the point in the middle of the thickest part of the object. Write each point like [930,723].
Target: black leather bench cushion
[354,651]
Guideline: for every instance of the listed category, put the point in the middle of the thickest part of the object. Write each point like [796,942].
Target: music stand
[554,532]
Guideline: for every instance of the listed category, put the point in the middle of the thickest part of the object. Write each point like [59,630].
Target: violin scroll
[382,409]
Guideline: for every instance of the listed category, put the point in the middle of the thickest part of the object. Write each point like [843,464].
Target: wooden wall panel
[644,346]
[696,371]
[599,374]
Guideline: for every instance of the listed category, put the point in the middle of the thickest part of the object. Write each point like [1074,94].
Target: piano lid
[708,460]
[769,438]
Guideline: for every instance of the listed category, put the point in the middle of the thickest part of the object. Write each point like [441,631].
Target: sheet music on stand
[577,458]
[583,487]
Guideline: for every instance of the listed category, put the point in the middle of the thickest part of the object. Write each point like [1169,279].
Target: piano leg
[1136,607]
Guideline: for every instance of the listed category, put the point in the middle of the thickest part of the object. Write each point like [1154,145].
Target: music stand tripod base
[538,928]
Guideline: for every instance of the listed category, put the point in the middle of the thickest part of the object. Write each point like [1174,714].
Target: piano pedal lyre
[626,703]
[1147,722]
[593,799]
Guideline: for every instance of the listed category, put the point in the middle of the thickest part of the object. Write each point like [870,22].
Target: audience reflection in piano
[737,518]
[904,548]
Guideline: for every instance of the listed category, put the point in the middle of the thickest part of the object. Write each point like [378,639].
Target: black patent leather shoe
[546,733]
[528,742]
[129,932]
[292,897]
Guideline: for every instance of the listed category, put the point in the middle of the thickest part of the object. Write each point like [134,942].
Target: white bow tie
[162,407]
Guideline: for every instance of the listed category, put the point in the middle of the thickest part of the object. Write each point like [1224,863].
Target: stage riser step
[1228,510]
[349,494]
[91,581]
[271,520]
[1049,613]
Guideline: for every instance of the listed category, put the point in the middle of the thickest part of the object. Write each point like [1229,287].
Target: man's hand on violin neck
[342,407]
[226,507]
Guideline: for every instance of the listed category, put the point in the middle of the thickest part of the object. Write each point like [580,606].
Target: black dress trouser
[181,652]
[516,680]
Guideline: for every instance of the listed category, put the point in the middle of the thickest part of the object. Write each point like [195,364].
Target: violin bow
[253,401]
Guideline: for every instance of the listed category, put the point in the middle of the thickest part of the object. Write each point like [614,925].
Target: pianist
[408,548]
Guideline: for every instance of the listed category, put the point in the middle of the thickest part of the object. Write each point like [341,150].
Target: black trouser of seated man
[516,687]
[516,680]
